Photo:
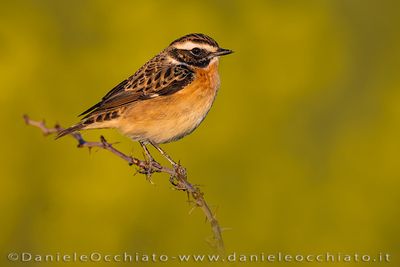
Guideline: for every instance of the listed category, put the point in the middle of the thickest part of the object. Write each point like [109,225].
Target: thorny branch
[178,175]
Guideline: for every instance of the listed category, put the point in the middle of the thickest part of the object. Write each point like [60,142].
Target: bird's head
[196,50]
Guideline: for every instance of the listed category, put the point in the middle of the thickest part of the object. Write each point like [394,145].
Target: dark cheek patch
[187,57]
[203,63]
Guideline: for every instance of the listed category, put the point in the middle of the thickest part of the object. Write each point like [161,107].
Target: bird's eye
[196,51]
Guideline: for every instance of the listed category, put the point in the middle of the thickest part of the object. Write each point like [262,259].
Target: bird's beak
[222,52]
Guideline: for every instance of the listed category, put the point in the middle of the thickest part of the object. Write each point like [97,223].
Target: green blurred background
[299,154]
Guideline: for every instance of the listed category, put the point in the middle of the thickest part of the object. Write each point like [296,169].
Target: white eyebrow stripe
[190,45]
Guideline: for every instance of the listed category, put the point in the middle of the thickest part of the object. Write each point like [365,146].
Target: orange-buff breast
[169,118]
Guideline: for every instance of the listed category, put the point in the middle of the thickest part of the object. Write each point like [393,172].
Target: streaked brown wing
[150,81]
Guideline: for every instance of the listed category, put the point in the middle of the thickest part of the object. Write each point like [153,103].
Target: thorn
[223,229]
[81,143]
[26,119]
[150,180]
[192,209]
[173,181]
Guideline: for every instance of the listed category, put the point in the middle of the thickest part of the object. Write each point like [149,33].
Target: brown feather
[148,82]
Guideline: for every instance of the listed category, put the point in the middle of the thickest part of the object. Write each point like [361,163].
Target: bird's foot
[177,178]
[151,166]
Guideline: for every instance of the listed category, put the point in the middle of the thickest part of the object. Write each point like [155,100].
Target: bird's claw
[149,168]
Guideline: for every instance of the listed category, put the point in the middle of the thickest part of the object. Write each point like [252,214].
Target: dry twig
[178,175]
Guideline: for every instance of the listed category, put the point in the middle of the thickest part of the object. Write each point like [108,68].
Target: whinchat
[166,99]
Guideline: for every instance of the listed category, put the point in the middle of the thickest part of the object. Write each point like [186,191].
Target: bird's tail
[70,130]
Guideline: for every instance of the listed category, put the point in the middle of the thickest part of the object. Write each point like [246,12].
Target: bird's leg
[164,154]
[150,160]
[178,169]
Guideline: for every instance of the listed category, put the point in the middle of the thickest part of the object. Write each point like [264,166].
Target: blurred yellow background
[299,154]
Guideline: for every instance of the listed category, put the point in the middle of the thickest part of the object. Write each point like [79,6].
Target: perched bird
[166,99]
